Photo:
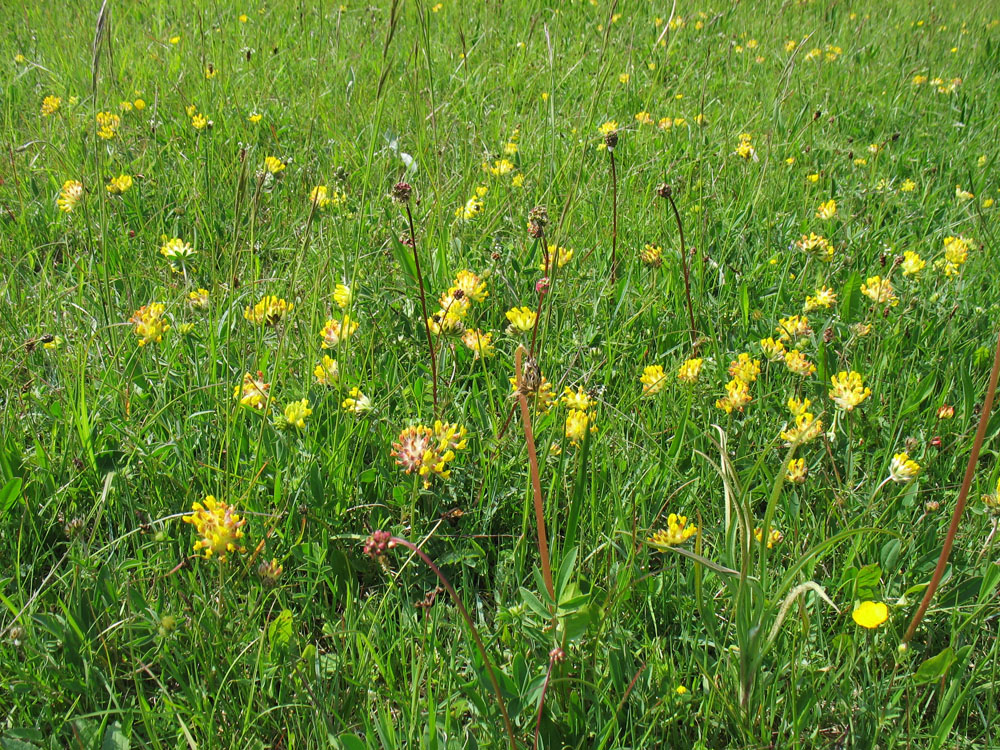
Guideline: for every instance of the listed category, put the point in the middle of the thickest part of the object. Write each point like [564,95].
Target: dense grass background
[114,634]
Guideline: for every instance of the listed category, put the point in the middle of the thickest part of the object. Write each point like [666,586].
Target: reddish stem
[472,628]
[963,496]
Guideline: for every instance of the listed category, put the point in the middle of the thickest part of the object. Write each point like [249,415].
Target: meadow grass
[573,607]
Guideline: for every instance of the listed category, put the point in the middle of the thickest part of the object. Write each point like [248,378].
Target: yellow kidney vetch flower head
[118,185]
[150,323]
[826,210]
[773,350]
[327,372]
[273,165]
[880,291]
[429,451]
[521,319]
[744,369]
[848,390]
[677,532]
[903,469]
[342,296]
[296,413]
[796,471]
[737,396]
[690,370]
[252,391]
[578,422]
[70,195]
[219,528]
[653,380]
[912,263]
[336,330]
[268,311]
[50,105]
[480,343]
[472,286]
[773,536]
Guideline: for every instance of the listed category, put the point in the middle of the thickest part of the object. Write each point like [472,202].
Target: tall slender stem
[423,306]
[536,484]
[666,192]
[472,628]
[963,496]
[614,217]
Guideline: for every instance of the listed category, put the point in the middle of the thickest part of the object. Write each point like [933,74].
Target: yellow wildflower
[219,528]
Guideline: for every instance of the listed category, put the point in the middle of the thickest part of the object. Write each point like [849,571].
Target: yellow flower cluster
[268,311]
[690,370]
[219,528]
[815,245]
[677,532]
[70,195]
[848,390]
[560,255]
[429,451]
[902,468]
[252,391]
[472,207]
[150,323]
[805,429]
[653,380]
[455,305]
[880,291]
[177,252]
[334,331]
[118,185]
[580,417]
[745,149]
[107,125]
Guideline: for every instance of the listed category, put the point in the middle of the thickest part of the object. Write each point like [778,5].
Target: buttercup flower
[677,532]
[252,391]
[219,528]
[903,468]
[268,311]
[691,369]
[848,390]
[336,331]
[70,195]
[653,379]
[327,372]
[870,614]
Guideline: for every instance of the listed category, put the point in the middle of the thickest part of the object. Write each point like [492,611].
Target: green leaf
[565,571]
[115,739]
[935,668]
[866,581]
[351,742]
[10,492]
[850,298]
[279,632]
[533,603]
